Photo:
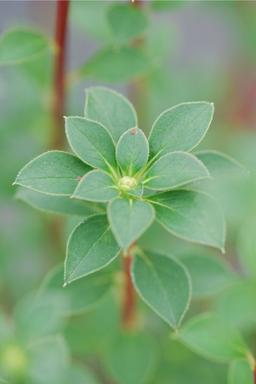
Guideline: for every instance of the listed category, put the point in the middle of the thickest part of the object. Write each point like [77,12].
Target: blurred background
[194,50]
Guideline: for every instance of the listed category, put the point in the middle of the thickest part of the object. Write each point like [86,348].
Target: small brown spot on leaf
[134,131]
[79,178]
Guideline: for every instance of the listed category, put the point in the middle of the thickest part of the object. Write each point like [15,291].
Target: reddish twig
[59,73]
[129,297]
[254,375]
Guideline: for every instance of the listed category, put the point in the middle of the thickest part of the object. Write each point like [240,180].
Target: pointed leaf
[132,151]
[163,284]
[219,163]
[91,247]
[175,170]
[91,142]
[181,127]
[96,186]
[19,45]
[111,109]
[240,372]
[192,216]
[129,219]
[212,338]
[56,204]
[53,173]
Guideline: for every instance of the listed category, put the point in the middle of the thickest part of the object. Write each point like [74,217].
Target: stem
[129,298]
[254,375]
[59,73]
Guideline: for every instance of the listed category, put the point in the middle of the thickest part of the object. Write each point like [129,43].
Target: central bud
[127,183]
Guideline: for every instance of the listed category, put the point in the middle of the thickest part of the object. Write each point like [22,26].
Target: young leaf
[91,142]
[117,65]
[56,204]
[111,109]
[129,219]
[212,338]
[19,45]
[240,372]
[132,358]
[132,151]
[82,294]
[91,247]
[175,170]
[180,128]
[163,284]
[53,173]
[192,216]
[96,186]
[209,274]
[126,21]
[219,164]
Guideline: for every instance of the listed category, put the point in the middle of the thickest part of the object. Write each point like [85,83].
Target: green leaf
[240,372]
[19,45]
[162,5]
[175,170]
[49,360]
[80,375]
[91,247]
[91,142]
[163,284]
[39,316]
[192,216]
[126,21]
[111,109]
[209,336]
[53,173]
[246,244]
[117,65]
[55,204]
[132,151]
[132,358]
[129,219]
[96,186]
[83,294]
[180,128]
[209,274]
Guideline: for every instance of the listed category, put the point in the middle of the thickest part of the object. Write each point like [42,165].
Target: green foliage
[240,372]
[19,45]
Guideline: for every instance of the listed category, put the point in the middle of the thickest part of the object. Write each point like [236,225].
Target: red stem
[59,72]
[254,375]
[129,298]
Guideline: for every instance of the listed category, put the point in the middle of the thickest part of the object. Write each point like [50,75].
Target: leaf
[163,284]
[209,274]
[129,219]
[209,336]
[111,109]
[126,22]
[175,170]
[55,204]
[91,247]
[53,173]
[162,5]
[117,65]
[40,316]
[82,294]
[132,151]
[246,243]
[180,128]
[49,359]
[192,216]
[240,372]
[132,358]
[96,186]
[91,142]
[19,45]
[80,375]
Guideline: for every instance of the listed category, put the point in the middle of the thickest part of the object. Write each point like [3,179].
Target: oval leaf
[53,173]
[240,372]
[91,142]
[96,186]
[175,170]
[163,284]
[111,109]
[181,127]
[132,151]
[19,45]
[192,216]
[212,338]
[129,219]
[91,247]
